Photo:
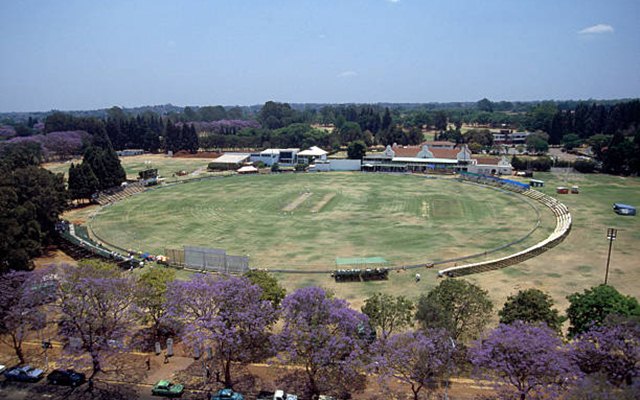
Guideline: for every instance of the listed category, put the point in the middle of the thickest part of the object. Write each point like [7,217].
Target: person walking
[148,363]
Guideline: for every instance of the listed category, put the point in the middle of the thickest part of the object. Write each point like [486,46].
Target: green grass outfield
[305,221]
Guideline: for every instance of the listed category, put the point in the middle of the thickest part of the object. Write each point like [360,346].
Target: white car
[2,368]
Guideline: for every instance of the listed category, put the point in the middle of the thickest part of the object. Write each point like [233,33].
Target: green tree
[570,141]
[350,132]
[150,295]
[592,307]
[485,105]
[189,139]
[530,306]
[386,120]
[82,182]
[440,121]
[275,115]
[538,142]
[388,314]
[356,150]
[271,289]
[456,305]
[102,159]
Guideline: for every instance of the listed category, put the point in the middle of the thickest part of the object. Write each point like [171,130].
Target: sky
[89,54]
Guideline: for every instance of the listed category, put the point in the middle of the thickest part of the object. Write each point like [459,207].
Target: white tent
[248,169]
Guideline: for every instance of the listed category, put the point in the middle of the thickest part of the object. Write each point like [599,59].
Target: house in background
[312,154]
[490,166]
[284,157]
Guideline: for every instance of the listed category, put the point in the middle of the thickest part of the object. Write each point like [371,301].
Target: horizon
[78,55]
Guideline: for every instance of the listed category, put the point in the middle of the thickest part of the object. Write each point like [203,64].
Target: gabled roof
[412,151]
[486,160]
[231,158]
[313,151]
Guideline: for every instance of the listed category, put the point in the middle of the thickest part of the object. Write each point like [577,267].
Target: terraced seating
[562,229]
[116,195]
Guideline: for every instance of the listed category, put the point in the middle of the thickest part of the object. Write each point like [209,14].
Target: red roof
[487,160]
[406,151]
[412,151]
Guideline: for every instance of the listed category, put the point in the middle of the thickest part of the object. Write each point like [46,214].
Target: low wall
[563,227]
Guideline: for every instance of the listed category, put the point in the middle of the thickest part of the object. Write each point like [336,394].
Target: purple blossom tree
[324,336]
[97,309]
[527,361]
[56,144]
[22,296]
[613,351]
[226,314]
[415,358]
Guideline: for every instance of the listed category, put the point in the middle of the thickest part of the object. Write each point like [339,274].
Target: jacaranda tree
[22,295]
[419,359]
[226,314]
[97,310]
[527,361]
[610,350]
[326,338]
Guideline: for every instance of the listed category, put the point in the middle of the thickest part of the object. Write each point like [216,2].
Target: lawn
[167,166]
[402,218]
[579,261]
[305,221]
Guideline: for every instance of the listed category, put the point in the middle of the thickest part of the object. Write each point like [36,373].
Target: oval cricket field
[305,221]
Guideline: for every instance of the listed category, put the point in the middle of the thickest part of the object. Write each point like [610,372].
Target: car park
[24,374]
[66,377]
[227,394]
[167,388]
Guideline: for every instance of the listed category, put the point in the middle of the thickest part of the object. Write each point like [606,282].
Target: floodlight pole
[611,236]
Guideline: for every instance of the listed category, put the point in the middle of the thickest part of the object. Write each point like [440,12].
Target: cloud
[597,29]
[393,1]
[347,74]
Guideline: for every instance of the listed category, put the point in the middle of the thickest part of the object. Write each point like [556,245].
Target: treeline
[31,200]
[420,343]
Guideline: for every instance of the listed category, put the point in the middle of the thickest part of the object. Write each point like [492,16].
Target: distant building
[229,161]
[312,154]
[129,152]
[429,156]
[507,136]
[490,166]
[284,157]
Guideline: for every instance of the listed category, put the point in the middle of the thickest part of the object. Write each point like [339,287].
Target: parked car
[226,394]
[2,368]
[277,395]
[66,377]
[167,388]
[24,374]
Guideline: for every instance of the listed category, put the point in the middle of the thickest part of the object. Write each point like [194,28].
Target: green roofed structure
[360,261]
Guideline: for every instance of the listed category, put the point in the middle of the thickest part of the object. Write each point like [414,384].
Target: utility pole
[612,233]
[446,383]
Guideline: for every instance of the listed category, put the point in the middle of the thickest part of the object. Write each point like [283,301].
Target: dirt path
[325,200]
[166,371]
[294,204]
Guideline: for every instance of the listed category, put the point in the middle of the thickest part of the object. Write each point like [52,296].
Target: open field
[166,166]
[579,262]
[304,221]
